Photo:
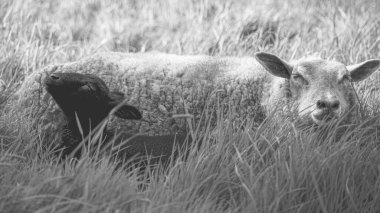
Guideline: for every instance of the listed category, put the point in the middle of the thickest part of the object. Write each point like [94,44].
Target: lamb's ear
[275,65]
[363,70]
[124,110]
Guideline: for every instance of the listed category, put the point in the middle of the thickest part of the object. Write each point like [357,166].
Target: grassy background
[270,168]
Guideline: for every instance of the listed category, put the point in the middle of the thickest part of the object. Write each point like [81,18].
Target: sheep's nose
[54,76]
[328,105]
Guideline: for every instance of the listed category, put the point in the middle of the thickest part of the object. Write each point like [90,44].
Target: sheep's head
[87,98]
[318,90]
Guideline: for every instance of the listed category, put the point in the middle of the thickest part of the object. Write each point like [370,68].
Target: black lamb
[86,100]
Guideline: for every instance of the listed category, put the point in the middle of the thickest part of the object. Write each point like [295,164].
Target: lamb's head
[87,98]
[318,90]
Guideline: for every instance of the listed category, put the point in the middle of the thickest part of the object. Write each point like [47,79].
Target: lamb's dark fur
[86,100]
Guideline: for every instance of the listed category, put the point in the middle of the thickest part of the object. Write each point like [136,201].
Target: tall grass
[257,167]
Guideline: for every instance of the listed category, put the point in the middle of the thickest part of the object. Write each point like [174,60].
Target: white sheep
[316,90]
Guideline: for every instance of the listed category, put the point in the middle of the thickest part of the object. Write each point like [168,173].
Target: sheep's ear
[363,70]
[123,111]
[275,65]
[128,112]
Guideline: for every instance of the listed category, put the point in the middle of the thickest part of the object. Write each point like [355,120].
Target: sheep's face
[322,90]
[319,90]
[87,97]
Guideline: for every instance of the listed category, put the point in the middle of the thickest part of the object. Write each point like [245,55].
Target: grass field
[270,167]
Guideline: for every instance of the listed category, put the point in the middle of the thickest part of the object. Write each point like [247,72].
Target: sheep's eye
[345,78]
[300,79]
[85,88]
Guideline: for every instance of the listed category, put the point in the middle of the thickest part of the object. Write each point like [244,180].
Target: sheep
[170,91]
[163,85]
[86,101]
[316,90]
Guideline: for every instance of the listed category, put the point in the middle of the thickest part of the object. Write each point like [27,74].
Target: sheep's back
[160,86]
